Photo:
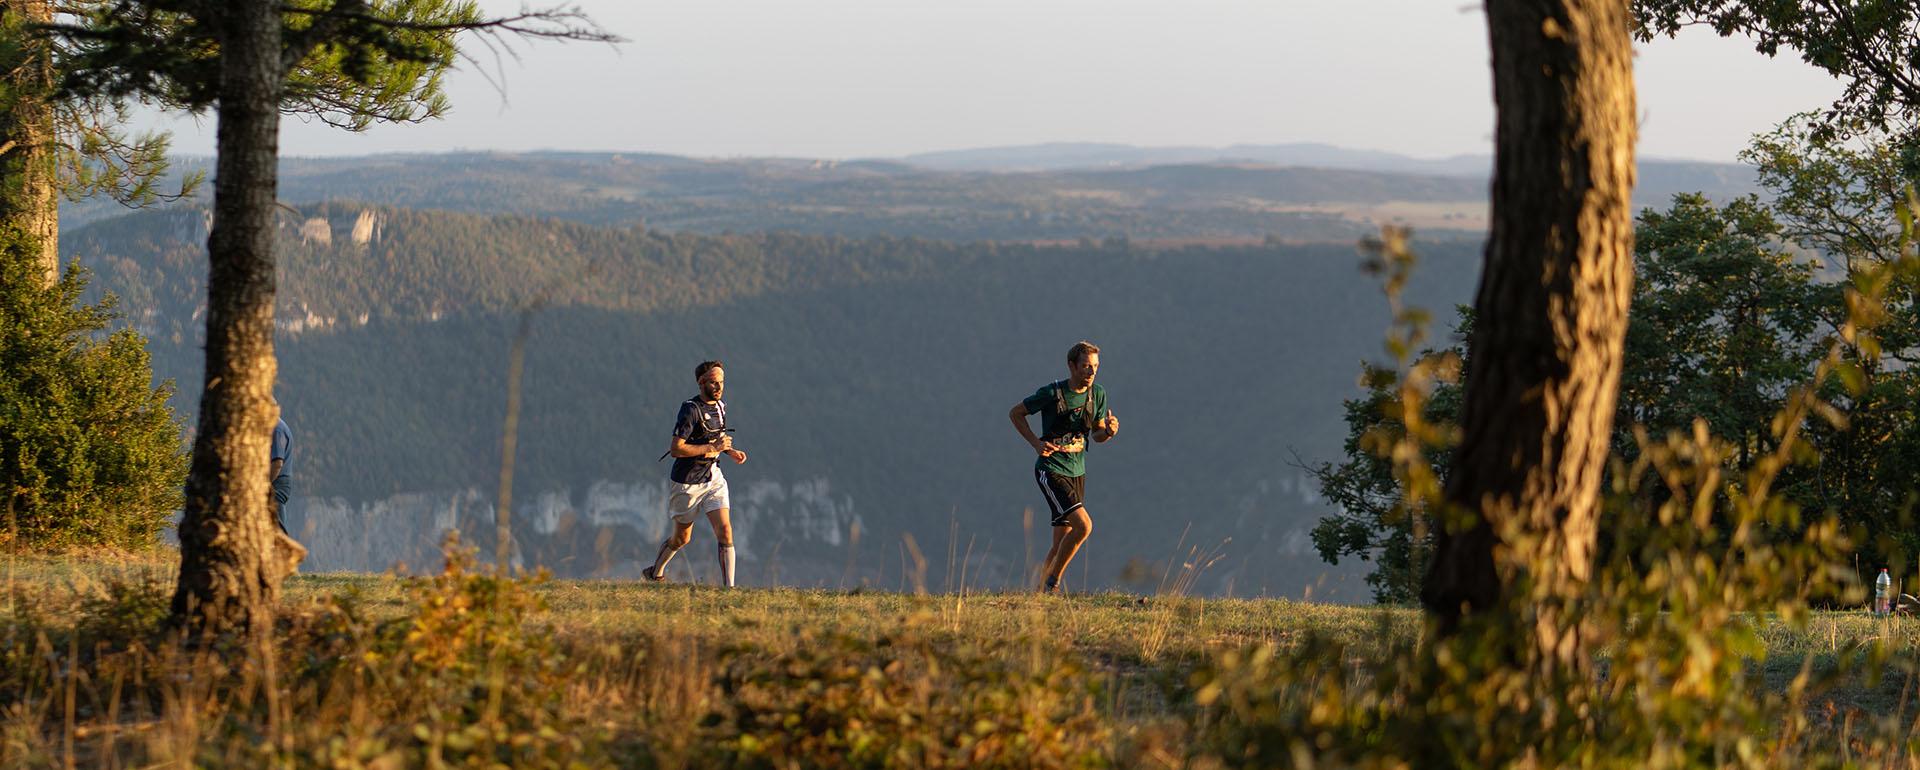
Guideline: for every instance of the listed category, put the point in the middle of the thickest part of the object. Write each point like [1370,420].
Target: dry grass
[379,671]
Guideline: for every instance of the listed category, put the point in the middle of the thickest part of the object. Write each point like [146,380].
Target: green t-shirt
[1063,418]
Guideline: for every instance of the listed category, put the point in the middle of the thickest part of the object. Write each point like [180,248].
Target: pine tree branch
[561,23]
[325,26]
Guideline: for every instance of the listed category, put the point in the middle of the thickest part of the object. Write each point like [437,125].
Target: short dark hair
[706,366]
[1080,351]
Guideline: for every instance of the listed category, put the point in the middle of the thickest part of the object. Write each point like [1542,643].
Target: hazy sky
[862,78]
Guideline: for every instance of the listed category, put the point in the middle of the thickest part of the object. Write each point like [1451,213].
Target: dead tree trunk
[1548,335]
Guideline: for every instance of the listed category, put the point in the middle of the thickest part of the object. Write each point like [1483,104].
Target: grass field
[378,671]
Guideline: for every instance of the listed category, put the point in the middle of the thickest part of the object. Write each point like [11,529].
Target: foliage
[463,678]
[1726,318]
[1843,197]
[95,154]
[1681,607]
[1724,322]
[1374,520]
[1835,194]
[89,451]
[84,142]
[1869,46]
[909,700]
[360,63]
[647,671]
[126,612]
[348,63]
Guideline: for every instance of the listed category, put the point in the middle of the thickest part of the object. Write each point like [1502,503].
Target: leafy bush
[126,612]
[460,679]
[89,451]
[909,701]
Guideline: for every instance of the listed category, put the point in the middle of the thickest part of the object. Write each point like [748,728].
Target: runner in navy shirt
[695,485]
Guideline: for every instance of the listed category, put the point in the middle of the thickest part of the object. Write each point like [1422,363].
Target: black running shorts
[1063,493]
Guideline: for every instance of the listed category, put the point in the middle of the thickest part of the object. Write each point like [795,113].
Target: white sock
[666,555]
[726,565]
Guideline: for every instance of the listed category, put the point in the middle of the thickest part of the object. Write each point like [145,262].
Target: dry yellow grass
[381,671]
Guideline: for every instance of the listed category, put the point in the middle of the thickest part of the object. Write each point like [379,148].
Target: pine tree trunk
[27,194]
[229,582]
[1549,329]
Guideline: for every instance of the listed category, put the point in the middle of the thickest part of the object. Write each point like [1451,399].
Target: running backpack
[1086,409]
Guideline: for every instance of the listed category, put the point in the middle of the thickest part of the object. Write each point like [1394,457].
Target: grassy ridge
[468,670]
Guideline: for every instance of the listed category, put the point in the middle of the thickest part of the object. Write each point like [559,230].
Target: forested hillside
[869,378]
[1210,201]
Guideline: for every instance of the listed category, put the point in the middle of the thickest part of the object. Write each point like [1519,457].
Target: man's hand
[725,445]
[1111,425]
[738,456]
[1045,448]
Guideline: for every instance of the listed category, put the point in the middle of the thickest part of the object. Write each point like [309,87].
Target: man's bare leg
[1067,541]
[1053,552]
[682,534]
[723,531]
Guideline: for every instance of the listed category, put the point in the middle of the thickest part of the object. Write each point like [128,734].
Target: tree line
[1732,308]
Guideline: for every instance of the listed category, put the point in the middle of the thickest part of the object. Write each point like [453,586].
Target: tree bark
[28,198]
[229,581]
[1549,328]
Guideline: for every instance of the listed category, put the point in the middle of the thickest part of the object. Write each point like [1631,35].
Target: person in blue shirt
[695,484]
[280,457]
[1071,411]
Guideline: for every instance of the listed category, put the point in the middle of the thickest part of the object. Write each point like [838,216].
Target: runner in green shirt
[1071,411]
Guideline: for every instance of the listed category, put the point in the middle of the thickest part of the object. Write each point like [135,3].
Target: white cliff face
[316,230]
[403,531]
[367,227]
[611,528]
[822,517]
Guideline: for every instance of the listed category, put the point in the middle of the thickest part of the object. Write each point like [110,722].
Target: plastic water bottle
[1883,593]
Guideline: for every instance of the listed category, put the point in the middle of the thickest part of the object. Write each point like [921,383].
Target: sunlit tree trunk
[229,581]
[27,182]
[1549,327]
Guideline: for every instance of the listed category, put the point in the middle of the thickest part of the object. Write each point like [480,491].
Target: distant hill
[1295,193]
[1660,178]
[1063,156]
[869,377]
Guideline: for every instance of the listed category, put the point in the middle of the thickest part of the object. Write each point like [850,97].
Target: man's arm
[275,466]
[680,447]
[1018,414]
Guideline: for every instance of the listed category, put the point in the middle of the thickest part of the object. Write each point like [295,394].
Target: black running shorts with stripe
[1063,493]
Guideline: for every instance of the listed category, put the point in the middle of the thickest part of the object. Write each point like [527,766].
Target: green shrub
[90,453]
[909,700]
[460,679]
[126,612]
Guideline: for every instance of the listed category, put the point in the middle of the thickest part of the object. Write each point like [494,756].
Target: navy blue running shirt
[699,423]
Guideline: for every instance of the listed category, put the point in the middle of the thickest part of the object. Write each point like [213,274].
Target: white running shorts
[687,502]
